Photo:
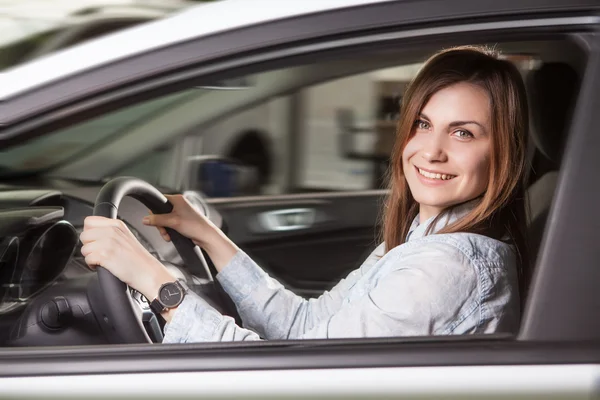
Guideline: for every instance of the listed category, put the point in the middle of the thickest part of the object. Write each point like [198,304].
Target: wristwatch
[170,295]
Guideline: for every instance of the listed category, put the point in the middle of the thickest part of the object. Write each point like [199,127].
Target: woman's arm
[268,308]
[264,305]
[417,294]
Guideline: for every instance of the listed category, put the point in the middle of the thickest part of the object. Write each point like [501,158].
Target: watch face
[170,295]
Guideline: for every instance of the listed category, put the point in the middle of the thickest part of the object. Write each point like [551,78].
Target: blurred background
[32,28]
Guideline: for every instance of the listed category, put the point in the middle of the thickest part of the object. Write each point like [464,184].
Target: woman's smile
[433,177]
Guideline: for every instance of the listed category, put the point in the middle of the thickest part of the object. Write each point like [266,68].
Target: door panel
[481,382]
[307,242]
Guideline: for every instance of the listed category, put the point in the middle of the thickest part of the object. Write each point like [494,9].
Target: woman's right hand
[185,219]
[191,223]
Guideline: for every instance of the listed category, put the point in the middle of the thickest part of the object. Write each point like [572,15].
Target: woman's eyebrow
[456,123]
[459,123]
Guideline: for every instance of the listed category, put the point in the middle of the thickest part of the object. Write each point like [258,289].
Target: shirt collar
[418,230]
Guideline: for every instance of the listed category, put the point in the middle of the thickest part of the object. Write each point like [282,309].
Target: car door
[556,353]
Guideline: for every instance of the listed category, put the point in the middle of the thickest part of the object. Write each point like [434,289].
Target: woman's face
[446,162]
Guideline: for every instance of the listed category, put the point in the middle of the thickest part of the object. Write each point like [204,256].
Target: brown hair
[500,211]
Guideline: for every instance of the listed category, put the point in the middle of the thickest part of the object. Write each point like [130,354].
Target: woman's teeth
[431,175]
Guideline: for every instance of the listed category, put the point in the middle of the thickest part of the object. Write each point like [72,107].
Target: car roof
[197,21]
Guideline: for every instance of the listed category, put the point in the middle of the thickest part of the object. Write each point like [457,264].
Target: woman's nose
[433,150]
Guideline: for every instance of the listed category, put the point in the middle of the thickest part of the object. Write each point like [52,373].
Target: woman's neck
[426,212]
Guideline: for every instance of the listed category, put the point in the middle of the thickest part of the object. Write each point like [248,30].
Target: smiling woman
[451,259]
[470,124]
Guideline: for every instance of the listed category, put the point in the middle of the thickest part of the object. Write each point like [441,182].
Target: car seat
[552,89]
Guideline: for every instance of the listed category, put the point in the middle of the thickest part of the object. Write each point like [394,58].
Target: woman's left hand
[110,244]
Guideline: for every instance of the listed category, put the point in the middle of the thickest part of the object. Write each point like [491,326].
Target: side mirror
[217,176]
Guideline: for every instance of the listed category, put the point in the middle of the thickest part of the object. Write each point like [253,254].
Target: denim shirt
[435,284]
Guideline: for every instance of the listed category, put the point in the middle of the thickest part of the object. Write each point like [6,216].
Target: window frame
[533,346]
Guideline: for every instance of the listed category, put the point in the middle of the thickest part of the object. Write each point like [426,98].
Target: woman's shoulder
[461,246]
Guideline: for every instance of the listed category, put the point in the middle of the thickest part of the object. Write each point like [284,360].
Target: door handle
[287,220]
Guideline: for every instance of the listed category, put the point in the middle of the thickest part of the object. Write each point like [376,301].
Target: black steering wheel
[119,317]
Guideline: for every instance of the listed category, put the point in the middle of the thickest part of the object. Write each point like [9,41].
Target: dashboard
[40,253]
[35,247]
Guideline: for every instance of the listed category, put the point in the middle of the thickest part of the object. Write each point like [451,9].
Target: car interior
[50,297]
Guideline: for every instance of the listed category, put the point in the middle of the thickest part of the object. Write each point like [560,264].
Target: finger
[91,262]
[93,234]
[98,252]
[89,235]
[102,222]
[160,220]
[88,249]
[91,255]
[163,232]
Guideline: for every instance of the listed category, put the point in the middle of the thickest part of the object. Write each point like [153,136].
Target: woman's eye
[464,134]
[420,124]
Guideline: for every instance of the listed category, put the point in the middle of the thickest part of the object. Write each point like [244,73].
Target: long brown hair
[500,211]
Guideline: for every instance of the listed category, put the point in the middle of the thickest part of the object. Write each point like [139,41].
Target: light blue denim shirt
[436,284]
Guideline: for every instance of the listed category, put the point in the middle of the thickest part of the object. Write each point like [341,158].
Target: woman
[453,250]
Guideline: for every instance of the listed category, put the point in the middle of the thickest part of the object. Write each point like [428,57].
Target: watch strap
[156,306]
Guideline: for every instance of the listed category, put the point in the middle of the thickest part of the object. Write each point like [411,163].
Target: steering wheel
[117,313]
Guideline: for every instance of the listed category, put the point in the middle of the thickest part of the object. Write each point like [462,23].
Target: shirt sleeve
[197,321]
[274,312]
[268,309]
[421,295]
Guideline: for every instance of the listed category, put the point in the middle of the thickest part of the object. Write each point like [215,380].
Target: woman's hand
[185,219]
[110,244]
[191,223]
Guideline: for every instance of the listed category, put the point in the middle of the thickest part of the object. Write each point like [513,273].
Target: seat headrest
[553,89]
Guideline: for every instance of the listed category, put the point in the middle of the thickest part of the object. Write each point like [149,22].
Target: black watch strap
[156,306]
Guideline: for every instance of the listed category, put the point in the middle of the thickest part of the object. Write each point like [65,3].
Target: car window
[335,135]
[321,137]
[52,150]
[305,128]
[298,129]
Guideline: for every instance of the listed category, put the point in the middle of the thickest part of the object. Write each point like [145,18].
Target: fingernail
[146,220]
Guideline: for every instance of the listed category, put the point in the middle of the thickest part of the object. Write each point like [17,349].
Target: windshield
[48,151]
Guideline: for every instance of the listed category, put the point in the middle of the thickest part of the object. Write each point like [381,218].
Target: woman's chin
[433,202]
